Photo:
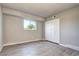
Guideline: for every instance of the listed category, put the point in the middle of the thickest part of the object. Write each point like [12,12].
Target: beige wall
[15,33]
[21,14]
[1,29]
[69,26]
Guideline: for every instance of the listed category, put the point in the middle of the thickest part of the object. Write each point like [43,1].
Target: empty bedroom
[39,29]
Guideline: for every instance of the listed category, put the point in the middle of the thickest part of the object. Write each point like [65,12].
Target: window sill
[30,29]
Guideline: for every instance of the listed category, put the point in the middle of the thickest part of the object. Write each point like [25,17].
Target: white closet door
[56,30]
[47,31]
[52,33]
[52,30]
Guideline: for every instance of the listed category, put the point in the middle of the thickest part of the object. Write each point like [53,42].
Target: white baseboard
[71,46]
[21,42]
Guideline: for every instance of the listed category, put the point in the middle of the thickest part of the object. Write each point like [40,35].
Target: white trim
[71,46]
[21,42]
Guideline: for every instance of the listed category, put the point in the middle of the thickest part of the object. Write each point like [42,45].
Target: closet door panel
[52,30]
[47,31]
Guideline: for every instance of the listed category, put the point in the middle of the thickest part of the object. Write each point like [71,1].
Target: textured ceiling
[40,9]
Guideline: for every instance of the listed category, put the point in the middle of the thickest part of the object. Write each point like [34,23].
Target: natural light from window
[30,25]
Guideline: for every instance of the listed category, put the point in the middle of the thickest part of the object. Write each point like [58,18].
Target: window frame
[31,21]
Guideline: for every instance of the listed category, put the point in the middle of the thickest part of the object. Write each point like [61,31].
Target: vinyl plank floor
[39,48]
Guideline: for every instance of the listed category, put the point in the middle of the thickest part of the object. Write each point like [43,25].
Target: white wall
[69,27]
[0,29]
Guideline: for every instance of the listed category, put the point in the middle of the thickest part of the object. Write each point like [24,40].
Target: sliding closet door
[48,29]
[52,30]
[56,30]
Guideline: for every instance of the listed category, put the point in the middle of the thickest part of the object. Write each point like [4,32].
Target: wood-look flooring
[39,48]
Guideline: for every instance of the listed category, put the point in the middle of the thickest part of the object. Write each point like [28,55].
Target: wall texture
[15,33]
[21,14]
[69,27]
[1,28]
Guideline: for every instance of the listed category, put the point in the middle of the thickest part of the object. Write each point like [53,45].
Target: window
[30,25]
